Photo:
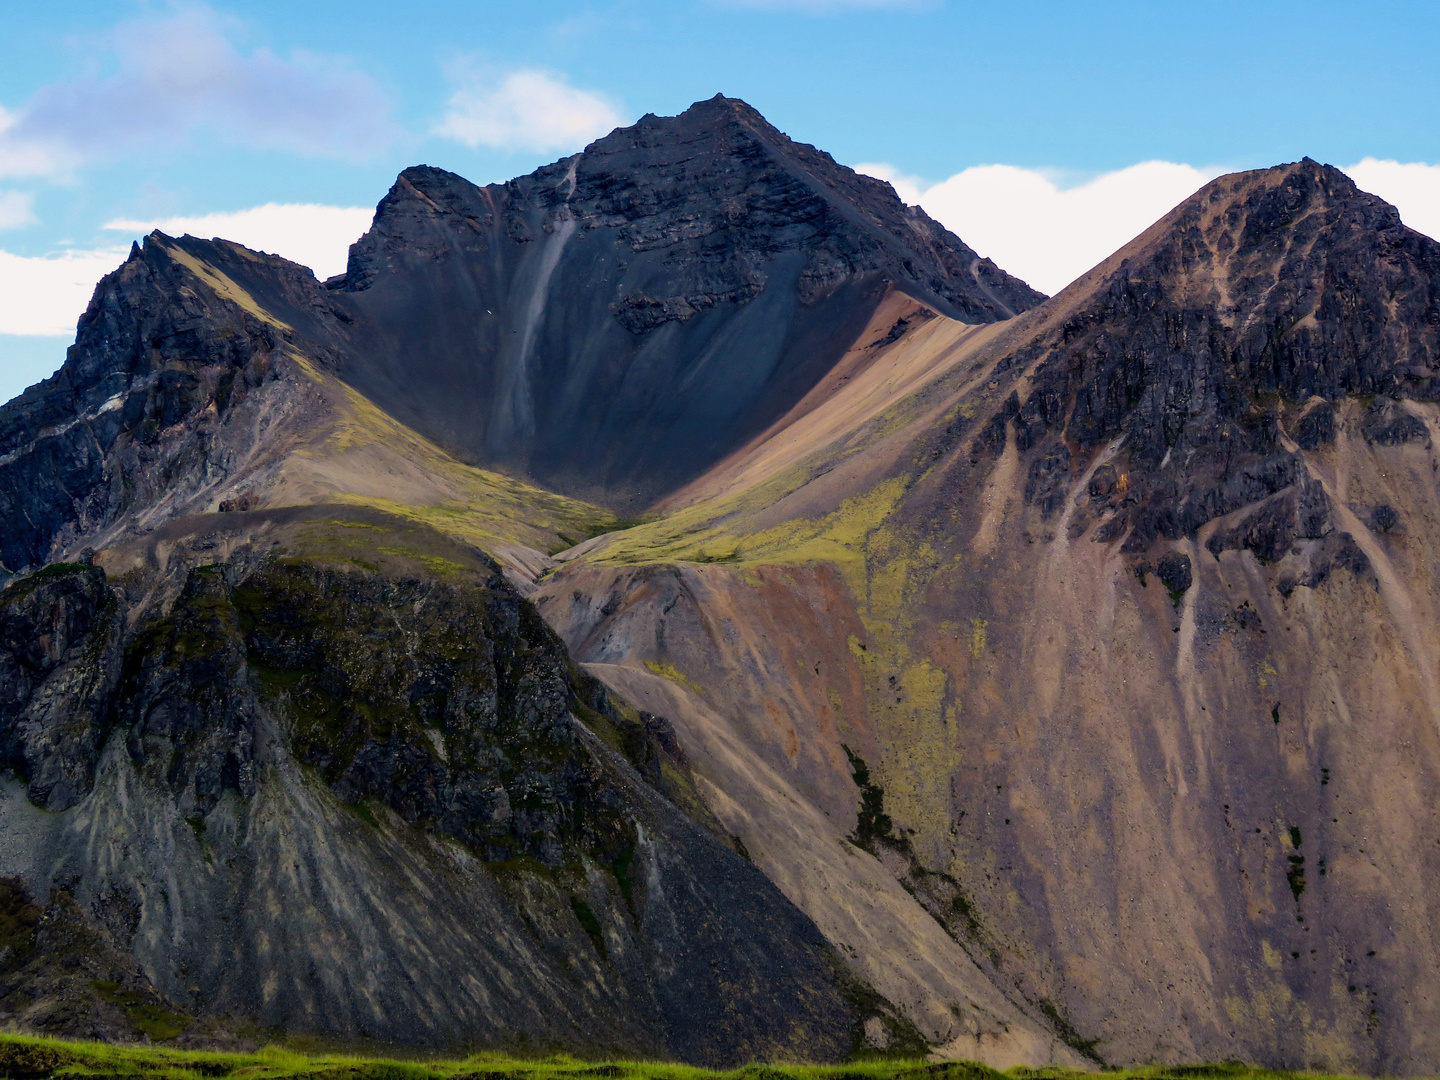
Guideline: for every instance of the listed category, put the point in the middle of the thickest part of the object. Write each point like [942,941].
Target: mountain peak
[1263,292]
[721,168]
[731,262]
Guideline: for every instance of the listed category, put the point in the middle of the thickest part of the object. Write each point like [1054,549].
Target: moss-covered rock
[447,699]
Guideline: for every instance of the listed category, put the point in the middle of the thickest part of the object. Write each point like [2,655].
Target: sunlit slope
[239,409]
[345,449]
[735,616]
[1118,633]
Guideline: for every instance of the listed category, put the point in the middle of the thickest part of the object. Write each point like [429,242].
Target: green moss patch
[23,1058]
[153,1020]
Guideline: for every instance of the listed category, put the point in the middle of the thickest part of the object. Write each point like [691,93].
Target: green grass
[38,1059]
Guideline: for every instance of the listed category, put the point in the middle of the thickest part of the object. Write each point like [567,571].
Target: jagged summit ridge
[720,184]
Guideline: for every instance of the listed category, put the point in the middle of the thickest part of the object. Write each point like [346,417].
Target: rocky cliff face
[178,379]
[1218,347]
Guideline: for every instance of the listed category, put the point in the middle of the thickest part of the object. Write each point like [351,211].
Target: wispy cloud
[1034,228]
[45,295]
[173,77]
[16,209]
[527,109]
[1412,187]
[312,235]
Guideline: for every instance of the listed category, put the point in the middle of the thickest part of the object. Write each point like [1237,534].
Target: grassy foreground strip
[23,1058]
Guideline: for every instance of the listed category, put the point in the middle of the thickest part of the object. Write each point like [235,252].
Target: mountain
[612,324]
[304,756]
[1116,617]
[684,603]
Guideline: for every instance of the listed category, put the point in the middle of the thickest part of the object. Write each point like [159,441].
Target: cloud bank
[315,236]
[171,78]
[524,110]
[48,294]
[1037,230]
[45,295]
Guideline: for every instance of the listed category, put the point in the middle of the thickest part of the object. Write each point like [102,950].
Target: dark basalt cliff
[154,401]
[358,802]
[616,322]
[60,639]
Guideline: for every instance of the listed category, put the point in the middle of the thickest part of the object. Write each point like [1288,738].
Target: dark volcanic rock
[1316,427]
[136,418]
[614,323]
[1203,340]
[450,705]
[59,665]
[1173,570]
[190,721]
[1387,424]
[63,974]
[443,712]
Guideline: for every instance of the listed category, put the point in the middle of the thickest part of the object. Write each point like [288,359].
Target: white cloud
[42,297]
[48,294]
[524,110]
[16,209]
[1041,232]
[176,76]
[1413,188]
[315,236]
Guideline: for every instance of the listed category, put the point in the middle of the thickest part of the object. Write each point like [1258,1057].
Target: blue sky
[129,115]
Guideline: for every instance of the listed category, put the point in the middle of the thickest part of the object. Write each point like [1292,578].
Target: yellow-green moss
[41,1059]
